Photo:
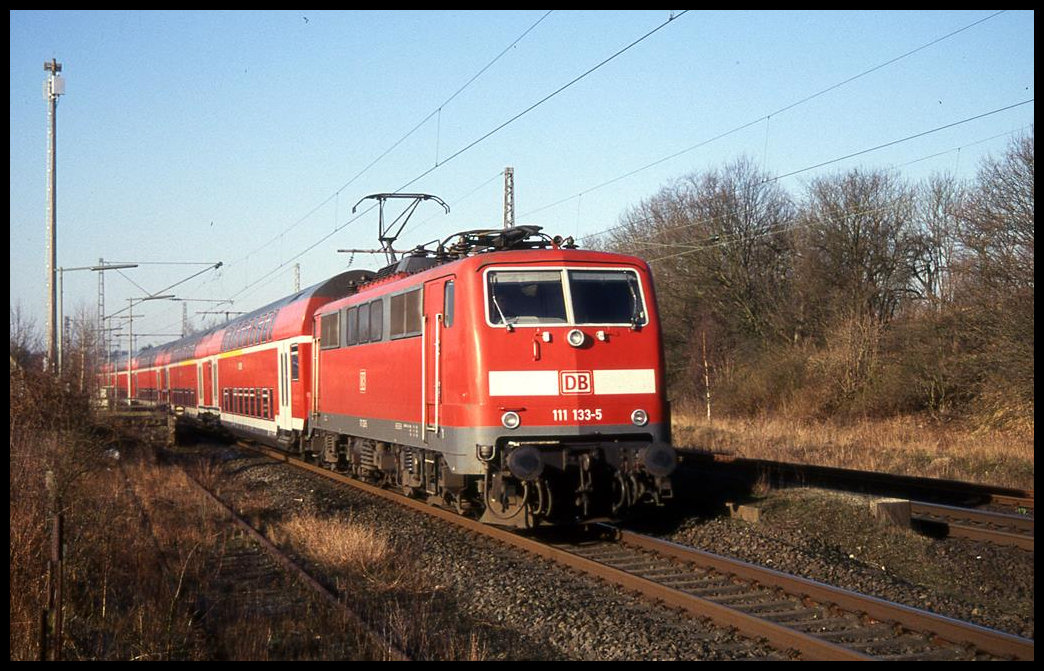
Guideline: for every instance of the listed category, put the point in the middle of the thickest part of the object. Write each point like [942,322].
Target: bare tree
[997,221]
[996,289]
[748,255]
[821,306]
[26,341]
[935,244]
[81,351]
[719,243]
[858,245]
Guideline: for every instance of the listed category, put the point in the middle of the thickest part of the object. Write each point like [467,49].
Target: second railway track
[973,524]
[999,515]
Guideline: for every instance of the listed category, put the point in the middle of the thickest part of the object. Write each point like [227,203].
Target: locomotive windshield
[564,297]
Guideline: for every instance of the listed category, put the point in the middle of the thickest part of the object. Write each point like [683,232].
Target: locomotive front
[571,386]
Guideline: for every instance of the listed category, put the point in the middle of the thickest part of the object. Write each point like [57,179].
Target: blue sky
[247,137]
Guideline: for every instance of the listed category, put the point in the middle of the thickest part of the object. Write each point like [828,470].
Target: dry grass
[907,446]
[122,599]
[341,545]
[142,547]
[149,569]
[385,583]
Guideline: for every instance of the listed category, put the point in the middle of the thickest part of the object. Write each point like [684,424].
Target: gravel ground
[522,608]
[516,607]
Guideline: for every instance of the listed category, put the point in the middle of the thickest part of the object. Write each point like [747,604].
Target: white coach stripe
[523,383]
[631,381]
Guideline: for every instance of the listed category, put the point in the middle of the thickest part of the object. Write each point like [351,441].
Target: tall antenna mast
[54,86]
[509,197]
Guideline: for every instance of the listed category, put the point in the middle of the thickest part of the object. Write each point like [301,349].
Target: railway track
[252,590]
[799,617]
[949,492]
[817,620]
[980,525]
[999,515]
[255,573]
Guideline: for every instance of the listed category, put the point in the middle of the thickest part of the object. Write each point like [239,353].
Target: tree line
[863,296]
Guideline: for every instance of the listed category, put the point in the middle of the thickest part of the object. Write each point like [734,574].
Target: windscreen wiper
[496,304]
[636,313]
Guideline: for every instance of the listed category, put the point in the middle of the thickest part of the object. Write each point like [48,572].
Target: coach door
[199,385]
[215,395]
[207,398]
[284,418]
[438,298]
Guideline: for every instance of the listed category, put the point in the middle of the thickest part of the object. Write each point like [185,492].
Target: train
[503,373]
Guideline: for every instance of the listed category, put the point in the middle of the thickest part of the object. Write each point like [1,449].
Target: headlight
[639,417]
[510,419]
[576,337]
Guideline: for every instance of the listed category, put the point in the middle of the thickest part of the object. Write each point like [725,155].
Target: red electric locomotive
[504,373]
[507,372]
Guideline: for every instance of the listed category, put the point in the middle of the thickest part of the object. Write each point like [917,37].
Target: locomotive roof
[399,280]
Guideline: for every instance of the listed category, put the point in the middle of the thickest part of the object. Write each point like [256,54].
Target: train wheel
[509,509]
[453,501]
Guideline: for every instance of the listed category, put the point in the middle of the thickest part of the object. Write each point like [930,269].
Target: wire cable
[484,137]
[543,100]
[402,139]
[785,108]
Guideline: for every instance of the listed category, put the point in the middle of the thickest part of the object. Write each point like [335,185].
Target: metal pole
[53,88]
[102,333]
[130,347]
[59,316]
[55,577]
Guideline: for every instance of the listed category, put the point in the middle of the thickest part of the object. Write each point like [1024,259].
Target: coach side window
[293,362]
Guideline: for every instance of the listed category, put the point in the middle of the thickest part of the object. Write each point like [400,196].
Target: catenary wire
[777,112]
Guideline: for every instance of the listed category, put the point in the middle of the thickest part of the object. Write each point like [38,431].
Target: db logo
[575,382]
